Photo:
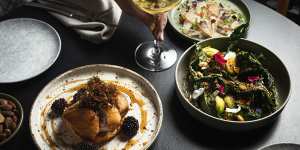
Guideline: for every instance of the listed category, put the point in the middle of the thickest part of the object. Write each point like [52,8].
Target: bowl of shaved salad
[203,19]
[228,87]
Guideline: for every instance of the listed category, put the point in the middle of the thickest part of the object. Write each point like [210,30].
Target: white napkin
[106,15]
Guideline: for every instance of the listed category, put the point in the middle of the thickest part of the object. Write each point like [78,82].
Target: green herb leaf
[237,34]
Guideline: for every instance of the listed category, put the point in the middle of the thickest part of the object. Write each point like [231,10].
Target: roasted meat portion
[96,111]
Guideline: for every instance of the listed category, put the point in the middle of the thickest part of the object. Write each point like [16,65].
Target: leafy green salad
[231,84]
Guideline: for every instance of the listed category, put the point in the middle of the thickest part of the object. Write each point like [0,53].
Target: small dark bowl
[20,114]
[272,63]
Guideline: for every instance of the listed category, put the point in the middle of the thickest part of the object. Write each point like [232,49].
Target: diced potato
[220,105]
[242,87]
[209,51]
[230,65]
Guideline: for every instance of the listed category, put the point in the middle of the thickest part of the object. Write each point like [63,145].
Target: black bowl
[272,63]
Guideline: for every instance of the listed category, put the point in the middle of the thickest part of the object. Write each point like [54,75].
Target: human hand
[158,25]
[155,23]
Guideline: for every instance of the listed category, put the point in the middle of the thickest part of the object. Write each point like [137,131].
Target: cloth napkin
[105,16]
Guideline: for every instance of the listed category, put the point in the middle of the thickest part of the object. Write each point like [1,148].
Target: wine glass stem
[156,47]
[156,52]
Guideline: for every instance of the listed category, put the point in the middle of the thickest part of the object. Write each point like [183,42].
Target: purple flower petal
[253,78]
[258,110]
[221,89]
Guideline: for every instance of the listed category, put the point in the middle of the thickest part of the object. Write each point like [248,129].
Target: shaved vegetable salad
[231,84]
[203,19]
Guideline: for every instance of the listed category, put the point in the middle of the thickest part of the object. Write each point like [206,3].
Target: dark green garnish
[236,35]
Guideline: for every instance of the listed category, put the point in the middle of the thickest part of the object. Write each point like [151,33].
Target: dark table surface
[179,130]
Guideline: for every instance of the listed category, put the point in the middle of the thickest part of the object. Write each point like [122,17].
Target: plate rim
[276,144]
[173,26]
[52,62]
[159,103]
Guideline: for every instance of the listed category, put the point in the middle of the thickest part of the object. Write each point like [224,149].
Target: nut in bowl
[235,90]
[11,117]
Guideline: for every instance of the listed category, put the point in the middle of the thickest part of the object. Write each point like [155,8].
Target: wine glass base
[148,58]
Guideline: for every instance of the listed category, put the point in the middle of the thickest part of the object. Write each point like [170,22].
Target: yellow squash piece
[209,51]
[229,101]
[220,105]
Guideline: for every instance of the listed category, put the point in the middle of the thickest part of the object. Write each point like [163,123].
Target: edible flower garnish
[253,78]
[219,58]
[221,89]
[230,55]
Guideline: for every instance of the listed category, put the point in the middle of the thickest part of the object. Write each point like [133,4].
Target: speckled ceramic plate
[28,47]
[149,112]
[173,17]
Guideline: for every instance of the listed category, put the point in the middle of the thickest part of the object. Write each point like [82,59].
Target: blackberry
[86,146]
[130,127]
[58,106]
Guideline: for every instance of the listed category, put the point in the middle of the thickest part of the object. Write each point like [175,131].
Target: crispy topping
[101,91]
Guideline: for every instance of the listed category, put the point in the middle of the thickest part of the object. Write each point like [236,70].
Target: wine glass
[155,55]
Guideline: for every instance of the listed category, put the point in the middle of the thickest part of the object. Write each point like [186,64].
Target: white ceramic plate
[28,47]
[43,129]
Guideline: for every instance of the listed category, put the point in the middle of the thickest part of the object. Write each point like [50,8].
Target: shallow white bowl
[58,88]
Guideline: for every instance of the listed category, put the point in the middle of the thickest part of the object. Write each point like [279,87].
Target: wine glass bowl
[156,6]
